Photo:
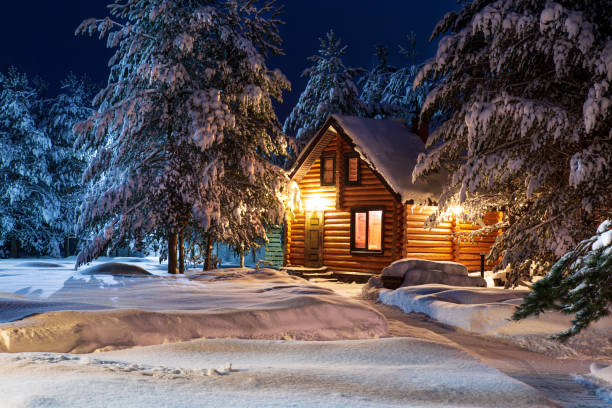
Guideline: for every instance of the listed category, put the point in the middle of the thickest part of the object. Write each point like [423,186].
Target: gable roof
[386,145]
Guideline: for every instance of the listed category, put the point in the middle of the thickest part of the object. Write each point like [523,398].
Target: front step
[350,277]
[305,272]
[324,274]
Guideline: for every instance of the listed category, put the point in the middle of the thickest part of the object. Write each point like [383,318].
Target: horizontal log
[423,243]
[429,256]
[428,237]
[429,250]
[433,231]
[350,191]
[421,224]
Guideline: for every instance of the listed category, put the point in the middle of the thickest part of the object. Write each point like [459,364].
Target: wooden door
[313,250]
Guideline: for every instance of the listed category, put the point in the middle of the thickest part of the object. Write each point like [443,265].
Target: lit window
[328,166]
[367,230]
[352,170]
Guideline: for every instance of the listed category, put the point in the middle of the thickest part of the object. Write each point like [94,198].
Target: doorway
[313,246]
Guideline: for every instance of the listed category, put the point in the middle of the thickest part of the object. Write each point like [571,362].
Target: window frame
[366,251]
[346,169]
[322,177]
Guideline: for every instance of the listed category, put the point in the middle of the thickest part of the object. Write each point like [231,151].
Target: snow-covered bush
[330,90]
[579,283]
[526,86]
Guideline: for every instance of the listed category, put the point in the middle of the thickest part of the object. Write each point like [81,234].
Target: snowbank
[604,373]
[480,310]
[392,372]
[99,311]
[488,311]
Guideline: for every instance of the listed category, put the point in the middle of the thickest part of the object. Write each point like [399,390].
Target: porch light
[456,210]
[315,203]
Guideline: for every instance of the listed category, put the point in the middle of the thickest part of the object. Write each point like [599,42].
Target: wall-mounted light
[315,203]
[456,210]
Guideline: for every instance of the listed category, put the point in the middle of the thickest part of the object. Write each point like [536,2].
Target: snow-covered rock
[420,271]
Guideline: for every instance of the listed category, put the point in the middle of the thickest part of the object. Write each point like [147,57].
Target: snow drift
[488,311]
[108,311]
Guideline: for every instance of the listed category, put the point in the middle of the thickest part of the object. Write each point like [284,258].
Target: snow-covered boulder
[115,269]
[410,272]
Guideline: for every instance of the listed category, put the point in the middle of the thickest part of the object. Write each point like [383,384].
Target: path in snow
[551,376]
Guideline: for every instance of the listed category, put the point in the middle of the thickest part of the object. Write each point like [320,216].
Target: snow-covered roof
[390,149]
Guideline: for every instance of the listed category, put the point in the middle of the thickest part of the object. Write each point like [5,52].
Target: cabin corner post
[455,238]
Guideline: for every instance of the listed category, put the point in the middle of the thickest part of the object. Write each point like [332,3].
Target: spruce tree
[28,205]
[330,90]
[185,126]
[66,164]
[525,85]
[580,284]
[374,82]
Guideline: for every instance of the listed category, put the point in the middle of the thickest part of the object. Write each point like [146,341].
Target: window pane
[353,163]
[375,230]
[328,170]
[360,230]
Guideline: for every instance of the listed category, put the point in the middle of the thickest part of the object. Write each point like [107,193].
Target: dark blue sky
[38,36]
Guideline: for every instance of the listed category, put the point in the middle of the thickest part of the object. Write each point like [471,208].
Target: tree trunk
[181,260]
[193,255]
[14,248]
[208,252]
[242,258]
[172,238]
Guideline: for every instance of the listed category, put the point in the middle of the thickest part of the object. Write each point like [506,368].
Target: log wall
[446,242]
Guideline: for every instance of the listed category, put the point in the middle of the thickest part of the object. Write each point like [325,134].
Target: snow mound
[420,271]
[138,311]
[488,311]
[13,307]
[478,310]
[40,264]
[600,380]
[115,269]
[602,372]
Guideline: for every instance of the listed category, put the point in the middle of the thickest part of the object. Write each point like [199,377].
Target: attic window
[328,168]
[367,230]
[353,173]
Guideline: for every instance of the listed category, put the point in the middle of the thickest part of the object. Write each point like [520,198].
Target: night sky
[38,36]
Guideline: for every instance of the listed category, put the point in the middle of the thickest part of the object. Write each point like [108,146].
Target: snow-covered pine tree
[185,124]
[330,90]
[374,82]
[580,283]
[526,85]
[399,97]
[66,165]
[28,206]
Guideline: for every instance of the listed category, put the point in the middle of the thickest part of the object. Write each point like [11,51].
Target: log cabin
[361,210]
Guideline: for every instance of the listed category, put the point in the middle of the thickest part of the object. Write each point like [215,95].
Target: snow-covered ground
[223,338]
[392,372]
